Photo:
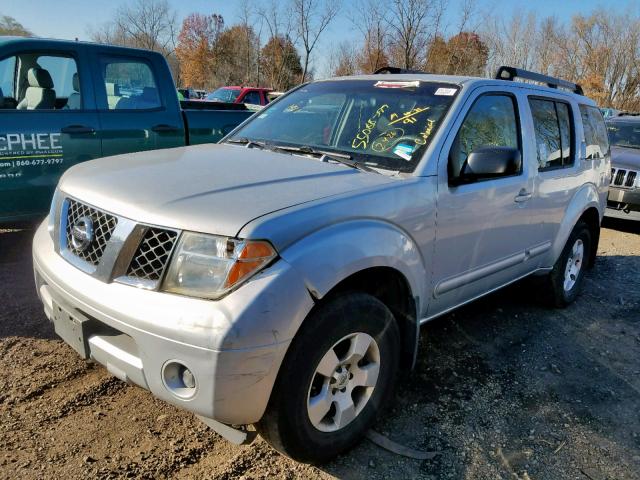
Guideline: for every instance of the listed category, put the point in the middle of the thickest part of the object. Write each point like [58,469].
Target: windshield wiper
[343,158]
[247,142]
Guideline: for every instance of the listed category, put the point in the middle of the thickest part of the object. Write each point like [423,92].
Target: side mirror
[491,162]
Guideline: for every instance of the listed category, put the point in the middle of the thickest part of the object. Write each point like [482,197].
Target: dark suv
[624,191]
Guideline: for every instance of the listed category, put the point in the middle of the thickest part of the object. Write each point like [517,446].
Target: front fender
[585,198]
[330,255]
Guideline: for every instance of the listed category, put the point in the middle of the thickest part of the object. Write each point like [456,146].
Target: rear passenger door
[48,123]
[482,227]
[135,113]
[554,145]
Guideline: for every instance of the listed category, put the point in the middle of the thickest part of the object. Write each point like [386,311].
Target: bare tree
[413,24]
[343,60]
[149,24]
[369,17]
[312,18]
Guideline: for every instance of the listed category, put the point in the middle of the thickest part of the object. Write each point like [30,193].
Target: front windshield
[224,95]
[624,134]
[385,124]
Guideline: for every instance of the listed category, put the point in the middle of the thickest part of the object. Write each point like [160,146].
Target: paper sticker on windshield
[403,150]
[388,84]
[447,92]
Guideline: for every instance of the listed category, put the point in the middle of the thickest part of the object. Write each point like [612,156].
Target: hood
[208,188]
[624,157]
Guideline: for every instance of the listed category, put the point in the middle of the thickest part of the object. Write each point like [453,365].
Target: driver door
[483,226]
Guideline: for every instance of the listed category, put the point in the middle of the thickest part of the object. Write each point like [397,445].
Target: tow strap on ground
[398,449]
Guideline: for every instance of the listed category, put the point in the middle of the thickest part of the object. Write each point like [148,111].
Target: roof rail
[627,114]
[395,70]
[510,73]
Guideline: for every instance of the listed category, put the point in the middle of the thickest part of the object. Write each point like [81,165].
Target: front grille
[103,227]
[152,255]
[623,178]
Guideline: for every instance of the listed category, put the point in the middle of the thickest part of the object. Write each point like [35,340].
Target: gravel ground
[504,389]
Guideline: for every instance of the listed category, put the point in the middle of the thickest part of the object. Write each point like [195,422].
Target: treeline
[274,43]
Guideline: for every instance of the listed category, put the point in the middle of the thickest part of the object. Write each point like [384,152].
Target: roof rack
[627,114]
[510,73]
[395,70]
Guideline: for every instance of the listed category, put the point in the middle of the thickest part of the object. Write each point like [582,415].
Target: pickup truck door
[48,124]
[138,104]
[482,228]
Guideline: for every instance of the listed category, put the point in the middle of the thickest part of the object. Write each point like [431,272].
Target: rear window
[228,95]
[129,85]
[595,132]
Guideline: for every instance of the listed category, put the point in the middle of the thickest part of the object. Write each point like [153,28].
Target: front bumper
[234,347]
[620,197]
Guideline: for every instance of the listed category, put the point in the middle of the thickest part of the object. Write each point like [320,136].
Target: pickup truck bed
[63,102]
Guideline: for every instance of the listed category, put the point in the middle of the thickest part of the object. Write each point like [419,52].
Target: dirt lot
[504,388]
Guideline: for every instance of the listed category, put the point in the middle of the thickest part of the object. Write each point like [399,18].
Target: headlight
[209,266]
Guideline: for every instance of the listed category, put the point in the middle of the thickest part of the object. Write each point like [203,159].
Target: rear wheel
[338,374]
[568,273]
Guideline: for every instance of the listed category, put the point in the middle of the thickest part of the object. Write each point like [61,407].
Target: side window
[595,132]
[7,82]
[32,81]
[491,122]
[547,132]
[564,120]
[252,98]
[129,85]
[62,71]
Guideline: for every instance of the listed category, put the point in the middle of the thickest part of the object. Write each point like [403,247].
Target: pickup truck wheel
[568,272]
[338,374]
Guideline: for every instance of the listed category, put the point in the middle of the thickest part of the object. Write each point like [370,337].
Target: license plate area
[72,328]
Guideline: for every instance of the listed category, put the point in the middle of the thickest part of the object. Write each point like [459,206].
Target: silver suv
[280,278]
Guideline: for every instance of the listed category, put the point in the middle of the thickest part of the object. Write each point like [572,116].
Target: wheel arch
[584,206]
[369,256]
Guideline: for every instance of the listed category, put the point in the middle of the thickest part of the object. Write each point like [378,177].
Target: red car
[251,95]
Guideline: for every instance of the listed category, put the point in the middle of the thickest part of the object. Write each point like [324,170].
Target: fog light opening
[179,380]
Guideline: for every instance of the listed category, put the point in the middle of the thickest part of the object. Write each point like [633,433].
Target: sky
[69,19]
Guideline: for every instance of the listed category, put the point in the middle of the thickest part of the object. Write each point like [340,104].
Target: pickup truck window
[129,85]
[553,125]
[253,98]
[386,124]
[595,132]
[491,121]
[7,80]
[33,81]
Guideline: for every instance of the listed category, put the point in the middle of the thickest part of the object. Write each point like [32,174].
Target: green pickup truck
[65,102]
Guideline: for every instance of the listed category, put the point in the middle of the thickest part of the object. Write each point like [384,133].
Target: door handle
[522,196]
[77,129]
[164,128]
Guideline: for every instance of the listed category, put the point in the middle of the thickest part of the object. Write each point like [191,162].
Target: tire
[565,282]
[342,323]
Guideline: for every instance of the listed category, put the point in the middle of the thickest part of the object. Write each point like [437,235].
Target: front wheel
[565,280]
[338,374]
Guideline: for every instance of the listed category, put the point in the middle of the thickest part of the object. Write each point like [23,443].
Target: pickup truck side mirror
[491,162]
